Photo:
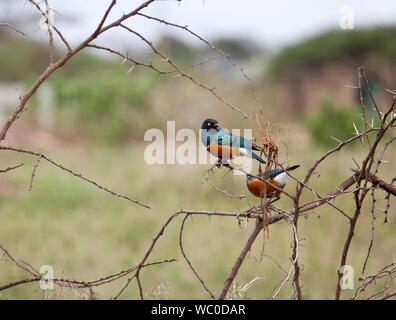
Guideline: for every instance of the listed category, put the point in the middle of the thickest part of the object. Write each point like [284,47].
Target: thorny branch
[62,281]
[60,166]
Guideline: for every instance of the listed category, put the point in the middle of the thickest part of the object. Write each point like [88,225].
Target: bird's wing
[223,138]
[246,143]
[226,138]
[272,174]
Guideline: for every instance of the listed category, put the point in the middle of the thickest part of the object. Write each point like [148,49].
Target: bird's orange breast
[256,187]
[222,152]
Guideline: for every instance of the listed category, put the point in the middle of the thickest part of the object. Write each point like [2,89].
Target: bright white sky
[270,23]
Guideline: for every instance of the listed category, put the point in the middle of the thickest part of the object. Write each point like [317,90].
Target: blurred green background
[91,116]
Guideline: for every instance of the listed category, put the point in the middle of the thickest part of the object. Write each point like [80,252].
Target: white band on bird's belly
[243,152]
[281,178]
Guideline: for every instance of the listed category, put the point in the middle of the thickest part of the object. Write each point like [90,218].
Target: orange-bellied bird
[276,177]
[224,145]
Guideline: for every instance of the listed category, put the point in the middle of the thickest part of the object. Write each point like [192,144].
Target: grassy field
[85,233]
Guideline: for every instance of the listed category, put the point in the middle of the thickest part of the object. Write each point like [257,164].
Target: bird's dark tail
[255,156]
[292,167]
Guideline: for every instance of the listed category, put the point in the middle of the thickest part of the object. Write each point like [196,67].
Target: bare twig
[221,52]
[182,73]
[34,171]
[188,261]
[8,25]
[258,227]
[60,166]
[11,168]
[49,28]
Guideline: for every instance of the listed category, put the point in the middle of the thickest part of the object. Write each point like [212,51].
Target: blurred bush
[102,99]
[334,120]
[20,57]
[337,44]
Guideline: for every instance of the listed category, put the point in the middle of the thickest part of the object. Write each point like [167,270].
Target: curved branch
[188,261]
[234,271]
[78,175]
